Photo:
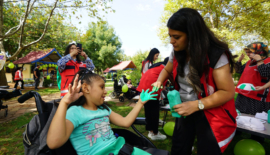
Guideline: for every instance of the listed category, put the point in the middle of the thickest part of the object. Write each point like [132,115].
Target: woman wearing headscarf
[70,64]
[256,72]
[148,62]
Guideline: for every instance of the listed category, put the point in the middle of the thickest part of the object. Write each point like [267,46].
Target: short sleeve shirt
[37,72]
[92,131]
[146,66]
[186,91]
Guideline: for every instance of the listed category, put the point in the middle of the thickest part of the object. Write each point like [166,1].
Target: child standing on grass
[83,117]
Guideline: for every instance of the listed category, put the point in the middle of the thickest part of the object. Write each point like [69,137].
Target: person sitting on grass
[83,118]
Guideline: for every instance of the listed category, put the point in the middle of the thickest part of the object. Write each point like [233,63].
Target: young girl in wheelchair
[83,118]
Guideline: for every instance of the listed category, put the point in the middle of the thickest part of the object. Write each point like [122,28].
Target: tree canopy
[102,45]
[232,21]
[25,23]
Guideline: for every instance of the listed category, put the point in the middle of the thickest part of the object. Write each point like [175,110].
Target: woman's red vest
[17,77]
[251,75]
[149,77]
[221,119]
[68,74]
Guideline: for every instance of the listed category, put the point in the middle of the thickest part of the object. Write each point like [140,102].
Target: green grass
[109,80]
[108,84]
[11,141]
[45,91]
[235,96]
[109,92]
[11,132]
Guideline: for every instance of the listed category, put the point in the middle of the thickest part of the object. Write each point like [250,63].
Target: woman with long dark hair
[201,65]
[71,64]
[148,62]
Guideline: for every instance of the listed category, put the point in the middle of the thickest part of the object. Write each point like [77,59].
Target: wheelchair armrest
[140,121]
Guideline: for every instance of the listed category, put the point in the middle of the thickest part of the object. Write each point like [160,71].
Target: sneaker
[158,136]
[150,134]
[160,122]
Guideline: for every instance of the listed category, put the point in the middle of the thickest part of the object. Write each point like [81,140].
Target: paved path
[15,109]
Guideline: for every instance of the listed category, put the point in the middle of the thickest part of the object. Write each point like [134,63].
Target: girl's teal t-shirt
[92,131]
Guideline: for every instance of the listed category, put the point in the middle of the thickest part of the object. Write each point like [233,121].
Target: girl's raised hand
[146,96]
[73,91]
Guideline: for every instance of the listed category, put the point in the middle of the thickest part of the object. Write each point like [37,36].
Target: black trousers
[184,134]
[36,83]
[17,81]
[151,110]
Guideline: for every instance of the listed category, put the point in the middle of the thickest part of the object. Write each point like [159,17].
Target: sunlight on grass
[108,85]
[5,139]
[124,108]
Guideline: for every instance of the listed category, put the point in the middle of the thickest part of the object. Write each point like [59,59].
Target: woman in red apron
[201,66]
[256,72]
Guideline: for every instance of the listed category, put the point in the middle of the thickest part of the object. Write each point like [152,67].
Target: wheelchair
[5,95]
[35,135]
[117,91]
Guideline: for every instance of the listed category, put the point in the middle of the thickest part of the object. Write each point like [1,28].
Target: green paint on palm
[146,95]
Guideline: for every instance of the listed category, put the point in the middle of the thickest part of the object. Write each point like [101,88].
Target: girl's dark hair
[200,41]
[67,52]
[86,76]
[150,57]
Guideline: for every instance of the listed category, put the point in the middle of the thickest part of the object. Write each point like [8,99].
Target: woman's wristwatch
[200,105]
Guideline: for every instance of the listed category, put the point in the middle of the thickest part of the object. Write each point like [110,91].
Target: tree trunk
[3,79]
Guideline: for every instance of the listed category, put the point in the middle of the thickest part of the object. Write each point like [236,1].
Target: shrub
[236,76]
[47,82]
[108,75]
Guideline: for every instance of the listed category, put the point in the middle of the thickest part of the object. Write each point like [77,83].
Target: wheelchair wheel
[121,99]
[113,95]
